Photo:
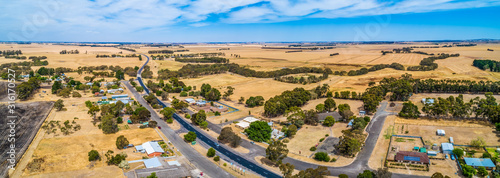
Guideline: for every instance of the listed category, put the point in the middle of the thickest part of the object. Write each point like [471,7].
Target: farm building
[432,153]
[477,162]
[250,119]
[119,96]
[243,125]
[150,148]
[190,100]
[447,148]
[440,132]
[412,157]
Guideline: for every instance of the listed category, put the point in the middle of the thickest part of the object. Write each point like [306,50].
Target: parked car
[452,157]
[159,127]
[446,156]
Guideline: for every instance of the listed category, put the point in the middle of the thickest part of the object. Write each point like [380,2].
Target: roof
[172,163]
[243,124]
[447,146]
[139,148]
[189,100]
[119,96]
[423,150]
[432,152]
[350,122]
[152,147]
[440,131]
[336,115]
[485,162]
[251,119]
[153,162]
[430,100]
[412,156]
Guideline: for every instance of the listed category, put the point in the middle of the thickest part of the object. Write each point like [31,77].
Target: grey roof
[153,162]
[336,115]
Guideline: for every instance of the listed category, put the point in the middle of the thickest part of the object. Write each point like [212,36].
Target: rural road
[352,170]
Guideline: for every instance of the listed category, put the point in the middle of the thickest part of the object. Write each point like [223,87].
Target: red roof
[407,156]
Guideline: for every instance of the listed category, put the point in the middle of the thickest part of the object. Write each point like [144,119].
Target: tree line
[364,70]
[115,55]
[493,66]
[277,105]
[203,60]
[69,51]
[128,49]
[428,64]
[302,80]
[11,52]
[160,52]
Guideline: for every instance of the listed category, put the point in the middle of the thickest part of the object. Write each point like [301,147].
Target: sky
[183,21]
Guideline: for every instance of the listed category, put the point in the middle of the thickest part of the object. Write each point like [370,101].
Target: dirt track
[30,117]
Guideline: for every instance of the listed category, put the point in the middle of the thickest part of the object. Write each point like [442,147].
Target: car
[452,157]
[446,156]
[159,127]
[217,145]
[252,142]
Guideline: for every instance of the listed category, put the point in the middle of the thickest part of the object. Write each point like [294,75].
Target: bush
[321,156]
[94,155]
[191,136]
[187,116]
[170,120]
[217,159]
[225,164]
[321,140]
[312,149]
[343,176]
[121,142]
[333,160]
[211,152]
[119,120]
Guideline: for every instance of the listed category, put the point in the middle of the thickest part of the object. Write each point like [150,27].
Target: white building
[243,125]
[250,119]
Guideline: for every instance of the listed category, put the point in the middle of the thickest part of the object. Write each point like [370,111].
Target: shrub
[312,149]
[170,120]
[343,176]
[333,160]
[211,152]
[191,136]
[321,156]
[187,116]
[321,140]
[94,155]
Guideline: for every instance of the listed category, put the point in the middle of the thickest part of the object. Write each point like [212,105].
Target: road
[352,170]
[202,163]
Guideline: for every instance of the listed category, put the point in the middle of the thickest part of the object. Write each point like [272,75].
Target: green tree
[205,88]
[190,136]
[121,142]
[217,159]
[320,108]
[345,111]
[366,174]
[343,176]
[459,152]
[211,152]
[153,174]
[468,171]
[167,112]
[383,173]
[291,131]
[287,169]
[59,105]
[329,121]
[409,110]
[481,171]
[478,143]
[259,131]
[213,95]
[321,156]
[437,175]
[94,155]
[199,118]
[276,151]
[319,172]
[330,104]
[108,126]
[56,86]
[120,75]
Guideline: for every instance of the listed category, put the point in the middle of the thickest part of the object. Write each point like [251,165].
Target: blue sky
[248,20]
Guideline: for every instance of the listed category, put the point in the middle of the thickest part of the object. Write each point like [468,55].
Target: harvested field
[30,117]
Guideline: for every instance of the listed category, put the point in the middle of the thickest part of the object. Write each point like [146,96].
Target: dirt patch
[30,117]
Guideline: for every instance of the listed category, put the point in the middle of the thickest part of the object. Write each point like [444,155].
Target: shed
[119,96]
[432,153]
[423,150]
[139,148]
[451,140]
[477,162]
[362,113]
[447,148]
[129,121]
[243,125]
[416,148]
[440,132]
[152,163]
[190,100]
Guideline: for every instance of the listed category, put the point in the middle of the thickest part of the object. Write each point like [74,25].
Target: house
[276,134]
[115,90]
[89,83]
[101,91]
[201,103]
[190,100]
[412,157]
[150,148]
[250,119]
[428,101]
[477,162]
[440,132]
[362,113]
[447,148]
[243,125]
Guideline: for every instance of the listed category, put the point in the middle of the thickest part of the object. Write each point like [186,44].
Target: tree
[119,75]
[121,142]
[479,142]
[94,155]
[459,152]
[343,176]
[383,173]
[213,95]
[164,95]
[259,131]
[153,174]
[190,136]
[345,111]
[291,131]
[409,110]
[468,171]
[255,101]
[139,89]
[371,102]
[59,105]
[228,93]
[199,117]
[108,126]
[330,104]
[321,156]
[205,88]
[287,169]
[228,136]
[481,171]
[276,151]
[319,172]
[211,152]
[241,100]
[217,159]
[437,175]
[167,112]
[56,86]
[320,108]
[329,121]
[366,174]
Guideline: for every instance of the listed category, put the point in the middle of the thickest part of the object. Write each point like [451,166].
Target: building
[150,148]
[115,90]
[447,148]
[412,157]
[250,119]
[428,100]
[432,153]
[276,134]
[119,96]
[477,162]
[451,140]
[362,113]
[243,125]
[335,115]
[350,123]
[440,132]
[190,100]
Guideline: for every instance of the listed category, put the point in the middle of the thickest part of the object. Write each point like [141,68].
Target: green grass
[400,140]
[389,132]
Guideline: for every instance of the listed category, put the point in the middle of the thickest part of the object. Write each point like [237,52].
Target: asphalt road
[352,170]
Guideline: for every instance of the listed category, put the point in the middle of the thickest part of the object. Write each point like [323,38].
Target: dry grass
[378,155]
